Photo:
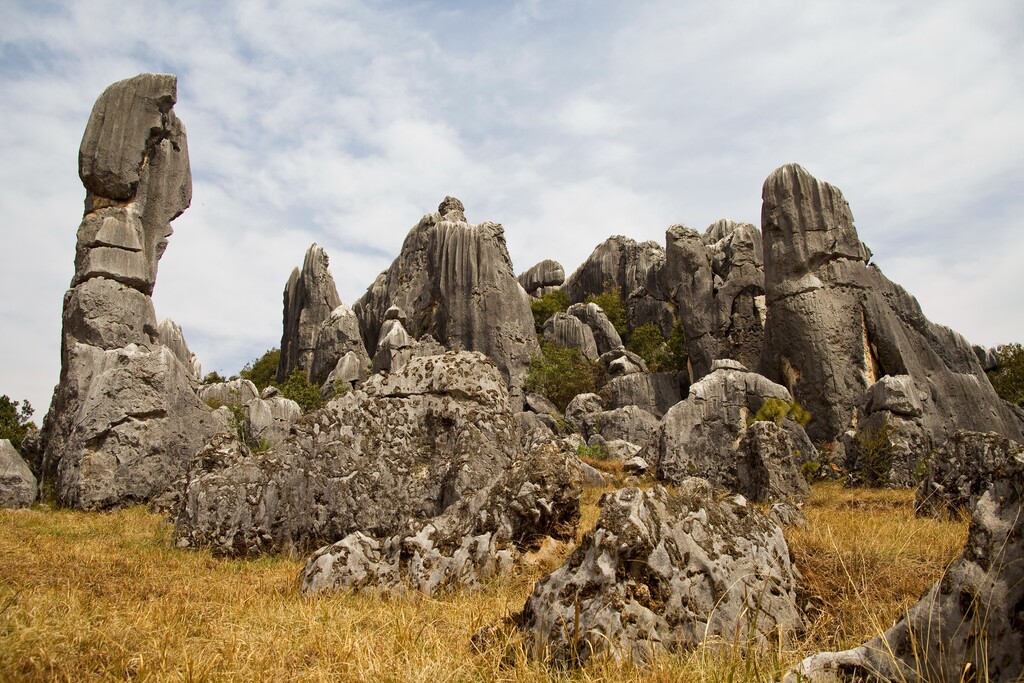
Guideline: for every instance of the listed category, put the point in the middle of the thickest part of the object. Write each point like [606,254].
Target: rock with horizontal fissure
[476,539]
[400,448]
[310,299]
[664,571]
[454,281]
[541,277]
[125,419]
[962,470]
[968,626]
[835,325]
[709,435]
[18,486]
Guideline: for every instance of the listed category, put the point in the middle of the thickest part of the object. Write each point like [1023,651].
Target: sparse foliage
[776,410]
[213,377]
[559,374]
[299,389]
[546,306]
[610,302]
[263,370]
[15,420]
[1008,378]
[660,354]
[874,452]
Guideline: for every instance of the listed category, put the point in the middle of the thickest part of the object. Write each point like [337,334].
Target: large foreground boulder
[125,419]
[403,447]
[962,470]
[18,485]
[454,281]
[665,571]
[970,625]
[475,539]
[710,435]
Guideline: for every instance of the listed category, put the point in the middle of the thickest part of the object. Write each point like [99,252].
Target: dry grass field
[107,597]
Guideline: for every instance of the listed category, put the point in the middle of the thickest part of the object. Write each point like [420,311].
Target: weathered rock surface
[170,335]
[605,335]
[663,571]
[630,423]
[400,448]
[579,408]
[477,538]
[125,419]
[542,277]
[835,324]
[336,337]
[708,435]
[962,470]
[968,625]
[654,392]
[18,486]
[454,281]
[238,390]
[310,299]
[569,331]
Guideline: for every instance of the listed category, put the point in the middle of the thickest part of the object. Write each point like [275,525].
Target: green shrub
[776,410]
[263,370]
[14,420]
[592,452]
[547,305]
[874,452]
[660,354]
[610,301]
[299,389]
[1008,379]
[213,378]
[559,374]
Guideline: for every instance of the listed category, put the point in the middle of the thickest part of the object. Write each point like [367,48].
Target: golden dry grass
[107,597]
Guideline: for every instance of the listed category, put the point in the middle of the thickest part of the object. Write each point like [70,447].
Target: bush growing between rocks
[874,452]
[262,371]
[610,302]
[299,389]
[559,374]
[660,354]
[776,410]
[1008,378]
[14,420]
[546,306]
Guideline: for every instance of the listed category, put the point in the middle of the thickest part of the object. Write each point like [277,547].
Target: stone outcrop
[655,392]
[170,335]
[454,281]
[402,447]
[968,625]
[890,444]
[962,470]
[310,299]
[542,278]
[835,325]
[270,414]
[664,571]
[606,337]
[337,337]
[18,486]
[125,419]
[708,435]
[635,271]
[477,538]
[569,331]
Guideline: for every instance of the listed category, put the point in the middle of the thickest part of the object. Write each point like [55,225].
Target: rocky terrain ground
[463,408]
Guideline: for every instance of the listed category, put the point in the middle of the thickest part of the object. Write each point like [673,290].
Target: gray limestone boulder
[835,325]
[541,277]
[171,336]
[336,337]
[962,470]
[240,390]
[968,625]
[654,392]
[477,538]
[569,331]
[271,418]
[400,448]
[125,419]
[709,435]
[18,486]
[454,281]
[310,299]
[350,371]
[664,571]
[605,335]
[581,406]
[630,423]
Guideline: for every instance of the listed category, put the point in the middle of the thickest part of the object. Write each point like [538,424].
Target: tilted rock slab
[18,486]
[664,571]
[401,448]
[125,419]
[476,539]
[310,298]
[454,281]
[970,624]
[708,435]
[835,325]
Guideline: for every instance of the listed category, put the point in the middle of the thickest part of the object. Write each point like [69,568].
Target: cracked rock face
[708,435]
[835,325]
[399,449]
[125,419]
[454,281]
[18,485]
[962,470]
[663,571]
[968,625]
[477,538]
[310,300]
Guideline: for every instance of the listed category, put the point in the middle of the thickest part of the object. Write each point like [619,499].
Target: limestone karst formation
[434,467]
[125,419]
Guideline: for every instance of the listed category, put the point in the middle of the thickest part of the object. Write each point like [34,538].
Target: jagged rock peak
[451,209]
[310,296]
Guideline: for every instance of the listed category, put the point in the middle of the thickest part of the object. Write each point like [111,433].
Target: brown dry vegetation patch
[107,597]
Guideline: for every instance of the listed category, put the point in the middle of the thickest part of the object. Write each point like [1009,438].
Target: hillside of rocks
[437,461]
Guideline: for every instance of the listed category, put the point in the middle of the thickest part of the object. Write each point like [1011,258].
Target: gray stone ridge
[125,418]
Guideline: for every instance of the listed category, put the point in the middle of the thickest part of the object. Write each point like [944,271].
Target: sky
[342,123]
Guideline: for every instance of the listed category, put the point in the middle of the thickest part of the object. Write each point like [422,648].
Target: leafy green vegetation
[776,410]
[1008,379]
[262,371]
[546,306]
[213,377]
[299,389]
[610,302]
[559,373]
[660,354]
[874,451]
[14,420]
